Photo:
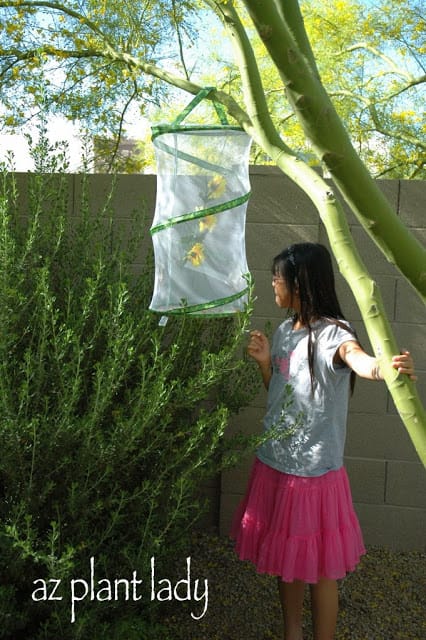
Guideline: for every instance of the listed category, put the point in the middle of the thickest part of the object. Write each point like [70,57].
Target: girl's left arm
[353,355]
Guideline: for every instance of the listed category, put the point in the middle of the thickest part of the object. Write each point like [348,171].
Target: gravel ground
[384,599]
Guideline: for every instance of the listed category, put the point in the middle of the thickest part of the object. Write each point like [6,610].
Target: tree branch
[121,126]
[180,43]
[404,137]
[325,129]
[55,6]
[395,69]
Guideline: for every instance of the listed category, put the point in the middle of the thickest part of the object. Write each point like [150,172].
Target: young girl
[297,520]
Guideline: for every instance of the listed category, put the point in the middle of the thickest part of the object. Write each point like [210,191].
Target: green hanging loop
[177,125]
[196,101]
[221,113]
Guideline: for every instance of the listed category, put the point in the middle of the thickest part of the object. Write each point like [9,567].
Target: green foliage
[108,421]
[376,78]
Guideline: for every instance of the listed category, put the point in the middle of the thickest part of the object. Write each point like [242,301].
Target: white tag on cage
[163,321]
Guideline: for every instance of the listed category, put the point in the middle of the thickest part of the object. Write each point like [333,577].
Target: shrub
[108,421]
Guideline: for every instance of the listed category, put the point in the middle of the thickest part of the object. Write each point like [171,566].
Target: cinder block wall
[388,481]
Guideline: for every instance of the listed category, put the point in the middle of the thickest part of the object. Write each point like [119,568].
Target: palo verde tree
[371,64]
[280,26]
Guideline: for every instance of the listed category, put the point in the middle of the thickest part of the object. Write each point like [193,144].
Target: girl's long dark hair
[308,271]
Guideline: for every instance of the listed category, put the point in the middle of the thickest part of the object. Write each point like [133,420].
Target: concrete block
[280,213]
[248,421]
[406,484]
[126,231]
[130,193]
[235,480]
[385,279]
[369,397]
[412,202]
[229,503]
[381,437]
[276,198]
[389,188]
[420,387]
[22,183]
[386,285]
[367,479]
[408,306]
[265,241]
[412,336]
[371,255]
[399,528]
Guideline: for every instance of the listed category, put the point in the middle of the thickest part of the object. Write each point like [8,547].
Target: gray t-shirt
[313,424]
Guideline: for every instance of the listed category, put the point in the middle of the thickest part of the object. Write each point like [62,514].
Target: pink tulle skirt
[298,528]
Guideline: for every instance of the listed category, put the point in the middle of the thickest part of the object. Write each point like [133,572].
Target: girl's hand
[258,347]
[404,363]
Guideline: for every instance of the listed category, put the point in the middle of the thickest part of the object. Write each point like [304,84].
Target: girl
[297,520]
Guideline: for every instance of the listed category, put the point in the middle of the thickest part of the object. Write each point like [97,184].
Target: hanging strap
[195,101]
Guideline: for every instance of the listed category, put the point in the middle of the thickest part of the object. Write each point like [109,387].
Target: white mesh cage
[198,231]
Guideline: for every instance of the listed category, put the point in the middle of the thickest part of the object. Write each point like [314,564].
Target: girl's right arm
[366,366]
[259,349]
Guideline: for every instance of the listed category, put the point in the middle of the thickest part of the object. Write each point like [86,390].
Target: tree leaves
[82,54]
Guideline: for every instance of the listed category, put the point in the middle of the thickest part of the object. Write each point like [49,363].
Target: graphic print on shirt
[290,366]
[283,365]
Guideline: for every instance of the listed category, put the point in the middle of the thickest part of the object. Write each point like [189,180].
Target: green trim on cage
[159,129]
[182,155]
[194,215]
[177,127]
[195,308]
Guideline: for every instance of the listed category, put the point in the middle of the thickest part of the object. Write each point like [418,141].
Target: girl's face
[283,297]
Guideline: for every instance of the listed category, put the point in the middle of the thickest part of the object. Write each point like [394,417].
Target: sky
[59,129]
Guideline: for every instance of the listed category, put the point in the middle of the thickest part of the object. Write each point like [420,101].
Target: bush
[108,421]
